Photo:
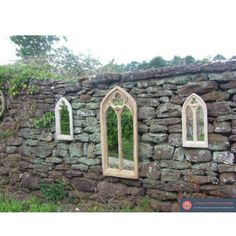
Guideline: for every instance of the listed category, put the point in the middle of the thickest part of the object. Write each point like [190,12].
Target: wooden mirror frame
[131,104]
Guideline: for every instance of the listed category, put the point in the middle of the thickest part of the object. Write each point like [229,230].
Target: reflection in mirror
[65,119]
[112,138]
[200,124]
[189,123]
[127,139]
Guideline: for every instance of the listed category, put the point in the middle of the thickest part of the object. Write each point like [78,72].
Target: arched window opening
[2,103]
[194,122]
[64,120]
[118,112]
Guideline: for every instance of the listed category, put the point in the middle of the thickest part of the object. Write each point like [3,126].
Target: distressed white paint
[131,104]
[200,103]
[58,134]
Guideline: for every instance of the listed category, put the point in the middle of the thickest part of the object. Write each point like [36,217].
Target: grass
[127,151]
[29,205]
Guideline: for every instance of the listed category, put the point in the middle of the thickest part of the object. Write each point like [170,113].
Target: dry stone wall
[167,172]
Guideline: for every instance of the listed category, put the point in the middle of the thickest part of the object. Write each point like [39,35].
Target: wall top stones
[215,67]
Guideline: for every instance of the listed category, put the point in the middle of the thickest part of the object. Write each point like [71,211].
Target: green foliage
[44,121]
[33,45]
[65,120]
[52,192]
[29,205]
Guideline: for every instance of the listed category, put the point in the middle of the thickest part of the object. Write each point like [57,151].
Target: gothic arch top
[2,103]
[194,122]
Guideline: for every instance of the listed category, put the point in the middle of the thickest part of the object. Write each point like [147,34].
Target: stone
[222,127]
[233,148]
[232,91]
[223,157]
[145,150]
[54,160]
[161,206]
[192,172]
[146,113]
[82,137]
[232,138]
[163,93]
[179,80]
[168,121]
[175,140]
[178,99]
[170,175]
[222,191]
[148,102]
[198,87]
[11,149]
[90,153]
[179,165]
[229,85]
[31,142]
[169,86]
[195,155]
[92,129]
[142,128]
[29,181]
[81,123]
[205,166]
[226,118]
[227,178]
[81,167]
[167,110]
[77,130]
[92,106]
[153,89]
[95,137]
[73,173]
[84,185]
[135,191]
[218,108]
[63,153]
[77,105]
[89,162]
[161,195]
[155,128]
[226,168]
[163,152]
[43,152]
[154,138]
[150,170]
[129,182]
[86,113]
[24,133]
[97,149]
[46,137]
[62,146]
[217,142]
[90,121]
[175,128]
[179,154]
[16,141]
[215,96]
[226,76]
[164,99]
[201,179]
[111,190]
[85,97]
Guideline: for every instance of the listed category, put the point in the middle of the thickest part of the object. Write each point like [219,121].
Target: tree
[177,60]
[189,60]
[34,45]
[157,62]
[218,57]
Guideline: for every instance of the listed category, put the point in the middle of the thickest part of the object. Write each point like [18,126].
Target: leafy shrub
[45,121]
[52,192]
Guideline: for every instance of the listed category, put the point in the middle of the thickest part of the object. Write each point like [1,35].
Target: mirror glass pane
[127,139]
[200,124]
[65,120]
[189,124]
[112,138]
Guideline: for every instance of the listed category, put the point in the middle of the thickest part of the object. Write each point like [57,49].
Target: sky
[126,30]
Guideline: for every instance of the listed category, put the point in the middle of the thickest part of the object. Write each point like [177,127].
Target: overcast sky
[126,29]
